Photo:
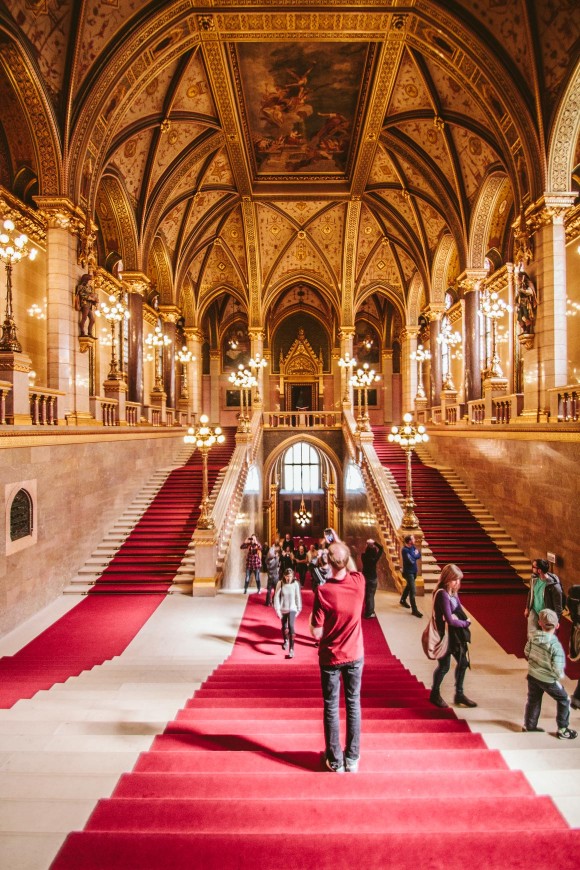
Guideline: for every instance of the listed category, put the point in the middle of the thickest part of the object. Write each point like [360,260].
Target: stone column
[471,336]
[387,386]
[171,315]
[435,313]
[137,286]
[194,344]
[214,380]
[343,374]
[257,349]
[409,367]
[67,367]
[512,352]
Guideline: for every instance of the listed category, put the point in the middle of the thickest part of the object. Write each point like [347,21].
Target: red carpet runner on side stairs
[236,781]
[101,626]
[454,535]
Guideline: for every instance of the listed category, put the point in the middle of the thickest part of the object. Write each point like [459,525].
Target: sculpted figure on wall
[526,299]
[86,299]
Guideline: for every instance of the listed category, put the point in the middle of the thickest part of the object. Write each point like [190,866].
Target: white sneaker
[334,769]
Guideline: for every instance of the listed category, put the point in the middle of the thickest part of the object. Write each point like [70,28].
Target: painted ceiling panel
[300,210]
[501,216]
[369,234]
[475,157]
[302,258]
[301,103]
[150,101]
[220,270]
[559,33]
[407,265]
[410,93]
[47,25]
[189,181]
[382,268]
[327,231]
[171,226]
[453,96]
[130,159]
[219,171]
[194,92]
[504,19]
[102,20]
[176,140]
[414,178]
[233,234]
[431,142]
[203,203]
[275,232]
[383,171]
[433,223]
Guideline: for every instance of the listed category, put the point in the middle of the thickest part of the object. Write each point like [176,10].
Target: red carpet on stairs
[96,630]
[101,627]
[148,559]
[492,590]
[236,780]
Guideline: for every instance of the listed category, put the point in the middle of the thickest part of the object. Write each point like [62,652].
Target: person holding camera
[253,561]
[369,559]
[336,623]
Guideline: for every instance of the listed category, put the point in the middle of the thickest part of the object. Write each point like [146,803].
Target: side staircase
[456,526]
[148,549]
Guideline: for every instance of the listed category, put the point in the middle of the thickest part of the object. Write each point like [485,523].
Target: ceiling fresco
[266,146]
[301,103]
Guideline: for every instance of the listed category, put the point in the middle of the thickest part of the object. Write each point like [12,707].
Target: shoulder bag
[434,646]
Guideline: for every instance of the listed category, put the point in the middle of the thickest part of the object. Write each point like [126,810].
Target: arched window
[21,516]
[301,469]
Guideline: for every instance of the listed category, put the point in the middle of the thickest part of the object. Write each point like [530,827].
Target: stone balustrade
[44,406]
[564,404]
[301,419]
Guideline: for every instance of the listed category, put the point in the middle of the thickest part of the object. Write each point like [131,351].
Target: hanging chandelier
[302,516]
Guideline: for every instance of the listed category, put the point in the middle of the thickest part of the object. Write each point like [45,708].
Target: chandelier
[302,516]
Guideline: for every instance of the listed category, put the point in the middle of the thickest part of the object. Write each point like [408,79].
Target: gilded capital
[170,313]
[137,282]
[61,213]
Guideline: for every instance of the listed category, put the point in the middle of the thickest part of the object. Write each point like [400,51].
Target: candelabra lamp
[14,247]
[362,381]
[115,311]
[448,338]
[157,340]
[184,356]
[256,364]
[347,362]
[408,436]
[204,437]
[243,380]
[420,355]
[493,308]
[302,516]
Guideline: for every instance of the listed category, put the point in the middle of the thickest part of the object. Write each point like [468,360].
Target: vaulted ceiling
[245,146]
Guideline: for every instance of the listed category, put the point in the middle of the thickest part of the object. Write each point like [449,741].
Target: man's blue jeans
[351,674]
[256,573]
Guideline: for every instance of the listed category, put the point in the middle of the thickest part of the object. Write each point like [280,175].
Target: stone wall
[83,482]
[528,483]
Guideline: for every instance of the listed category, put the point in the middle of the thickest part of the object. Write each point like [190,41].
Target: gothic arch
[443,255]
[483,215]
[416,293]
[160,267]
[117,221]
[563,139]
[331,464]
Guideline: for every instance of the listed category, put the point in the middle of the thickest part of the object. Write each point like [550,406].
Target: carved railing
[44,403]
[132,413]
[169,417]
[564,404]
[436,414]
[5,387]
[476,412]
[301,420]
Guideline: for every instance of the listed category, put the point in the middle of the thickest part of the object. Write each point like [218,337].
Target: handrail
[44,405]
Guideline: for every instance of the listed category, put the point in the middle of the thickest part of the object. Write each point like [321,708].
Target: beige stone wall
[530,485]
[83,483]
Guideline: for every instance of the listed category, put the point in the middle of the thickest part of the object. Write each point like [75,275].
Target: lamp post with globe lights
[14,247]
[362,381]
[448,338]
[243,380]
[256,364]
[408,436]
[115,312]
[420,355]
[493,308]
[157,340]
[184,356]
[204,436]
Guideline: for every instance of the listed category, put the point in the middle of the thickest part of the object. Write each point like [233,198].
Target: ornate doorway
[301,377]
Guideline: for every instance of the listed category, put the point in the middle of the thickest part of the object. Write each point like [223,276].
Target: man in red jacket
[336,623]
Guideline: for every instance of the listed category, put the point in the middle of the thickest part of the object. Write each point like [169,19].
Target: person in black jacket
[410,556]
[574,653]
[545,594]
[369,559]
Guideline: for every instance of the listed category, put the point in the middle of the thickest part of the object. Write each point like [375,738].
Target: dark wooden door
[290,504]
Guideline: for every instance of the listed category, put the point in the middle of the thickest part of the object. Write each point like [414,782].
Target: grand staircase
[144,550]
[236,779]
[451,530]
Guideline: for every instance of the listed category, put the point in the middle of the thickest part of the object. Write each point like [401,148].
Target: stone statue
[526,299]
[86,299]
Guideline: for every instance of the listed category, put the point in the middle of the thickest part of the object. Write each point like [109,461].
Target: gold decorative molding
[24,217]
[86,343]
